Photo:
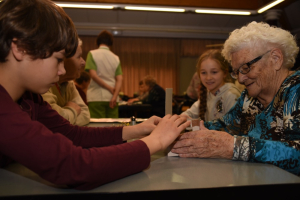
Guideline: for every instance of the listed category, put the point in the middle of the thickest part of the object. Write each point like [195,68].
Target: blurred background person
[156,96]
[64,97]
[141,94]
[105,70]
[217,92]
[192,92]
[82,83]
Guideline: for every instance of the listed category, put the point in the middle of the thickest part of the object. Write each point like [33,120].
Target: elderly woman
[264,124]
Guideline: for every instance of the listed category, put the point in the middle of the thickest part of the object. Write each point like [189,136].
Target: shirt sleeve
[90,63]
[81,157]
[66,112]
[119,70]
[241,149]
[84,117]
[193,111]
[284,152]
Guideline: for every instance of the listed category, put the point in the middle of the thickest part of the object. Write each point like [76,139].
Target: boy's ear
[18,53]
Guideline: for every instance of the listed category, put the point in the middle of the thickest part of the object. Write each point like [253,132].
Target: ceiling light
[81,5]
[154,9]
[223,12]
[269,6]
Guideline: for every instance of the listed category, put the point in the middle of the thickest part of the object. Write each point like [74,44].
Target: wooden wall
[159,57]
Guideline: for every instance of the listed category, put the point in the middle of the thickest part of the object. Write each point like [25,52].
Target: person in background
[217,92]
[153,94]
[142,94]
[82,83]
[156,96]
[193,89]
[64,97]
[36,36]
[263,126]
[106,73]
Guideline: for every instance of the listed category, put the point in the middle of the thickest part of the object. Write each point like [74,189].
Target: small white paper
[196,128]
[172,154]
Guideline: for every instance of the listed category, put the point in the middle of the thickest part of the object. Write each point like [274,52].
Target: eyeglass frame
[235,74]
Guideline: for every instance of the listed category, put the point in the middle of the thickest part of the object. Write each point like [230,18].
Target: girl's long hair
[216,56]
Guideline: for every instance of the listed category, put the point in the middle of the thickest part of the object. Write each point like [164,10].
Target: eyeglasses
[245,68]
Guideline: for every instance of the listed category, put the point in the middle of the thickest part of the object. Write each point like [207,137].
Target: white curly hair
[261,35]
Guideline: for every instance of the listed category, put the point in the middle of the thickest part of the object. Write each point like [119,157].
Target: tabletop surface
[163,174]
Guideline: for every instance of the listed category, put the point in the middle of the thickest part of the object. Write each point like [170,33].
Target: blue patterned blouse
[271,135]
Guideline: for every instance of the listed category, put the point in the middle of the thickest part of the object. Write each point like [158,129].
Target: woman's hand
[132,100]
[205,144]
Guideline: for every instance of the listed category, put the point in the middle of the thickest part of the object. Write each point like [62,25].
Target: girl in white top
[217,93]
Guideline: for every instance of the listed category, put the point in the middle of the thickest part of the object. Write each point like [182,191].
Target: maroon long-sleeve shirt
[36,136]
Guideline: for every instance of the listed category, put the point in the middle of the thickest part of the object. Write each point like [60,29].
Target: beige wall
[187,68]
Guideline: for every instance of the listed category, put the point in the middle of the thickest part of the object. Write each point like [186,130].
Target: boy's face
[39,75]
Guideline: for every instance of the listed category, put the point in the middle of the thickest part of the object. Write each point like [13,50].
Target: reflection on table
[172,176]
[165,174]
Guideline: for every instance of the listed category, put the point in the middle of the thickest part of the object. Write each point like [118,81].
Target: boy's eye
[60,60]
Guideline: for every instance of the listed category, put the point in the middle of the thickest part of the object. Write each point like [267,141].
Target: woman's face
[260,80]
[146,87]
[211,75]
[73,66]
[41,74]
[141,88]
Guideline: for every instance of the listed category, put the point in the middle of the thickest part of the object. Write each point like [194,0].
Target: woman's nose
[241,78]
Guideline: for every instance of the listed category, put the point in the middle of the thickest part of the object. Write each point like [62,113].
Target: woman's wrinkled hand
[205,144]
